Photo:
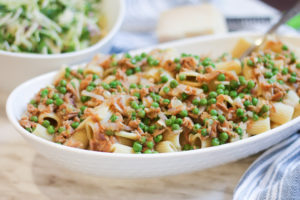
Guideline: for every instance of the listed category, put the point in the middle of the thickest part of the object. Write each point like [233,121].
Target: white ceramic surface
[148,165]
[18,67]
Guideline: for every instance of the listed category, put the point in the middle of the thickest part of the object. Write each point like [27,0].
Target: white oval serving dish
[18,67]
[149,165]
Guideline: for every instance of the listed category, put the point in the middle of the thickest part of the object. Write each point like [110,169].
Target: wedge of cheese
[189,21]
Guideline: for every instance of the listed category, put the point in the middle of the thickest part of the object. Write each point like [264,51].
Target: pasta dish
[161,101]
[50,26]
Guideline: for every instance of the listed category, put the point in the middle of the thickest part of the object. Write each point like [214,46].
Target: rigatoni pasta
[161,102]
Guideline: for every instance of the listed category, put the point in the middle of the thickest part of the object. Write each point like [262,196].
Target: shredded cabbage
[50,26]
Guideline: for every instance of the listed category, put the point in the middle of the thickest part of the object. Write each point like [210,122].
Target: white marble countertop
[24,174]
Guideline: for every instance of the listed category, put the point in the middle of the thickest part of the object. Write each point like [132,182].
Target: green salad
[50,26]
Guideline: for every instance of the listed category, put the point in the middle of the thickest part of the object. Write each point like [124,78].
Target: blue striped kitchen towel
[274,175]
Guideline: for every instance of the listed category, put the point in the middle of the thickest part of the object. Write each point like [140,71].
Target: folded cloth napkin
[274,175]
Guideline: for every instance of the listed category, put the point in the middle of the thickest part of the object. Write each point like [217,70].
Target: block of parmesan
[189,21]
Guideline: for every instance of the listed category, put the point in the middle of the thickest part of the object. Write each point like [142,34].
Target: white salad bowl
[18,67]
[148,165]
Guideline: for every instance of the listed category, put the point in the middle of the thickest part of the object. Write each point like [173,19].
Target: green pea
[59,102]
[151,129]
[281,82]
[62,90]
[196,111]
[61,129]
[255,117]
[213,112]
[206,62]
[175,127]
[242,80]
[155,105]
[158,138]
[226,92]
[164,79]
[143,55]
[33,102]
[292,79]
[250,63]
[166,101]
[134,105]
[184,96]
[268,74]
[264,109]
[178,67]
[178,121]
[80,71]
[196,101]
[137,147]
[113,118]
[63,82]
[241,95]
[233,93]
[182,77]
[239,130]
[254,101]
[106,86]
[84,98]
[221,118]
[50,129]
[240,112]
[221,86]
[244,118]
[169,122]
[293,74]
[49,101]
[221,77]
[223,136]
[247,103]
[205,88]
[137,94]
[215,142]
[213,94]
[90,88]
[166,89]
[234,84]
[183,113]
[34,118]
[203,102]
[285,71]
[129,72]
[137,69]
[141,113]
[74,125]
[196,127]
[44,93]
[251,84]
[187,147]
[133,86]
[298,65]
[150,145]
[284,47]
[46,123]
[176,60]
[204,132]
[173,84]
[212,101]
[220,91]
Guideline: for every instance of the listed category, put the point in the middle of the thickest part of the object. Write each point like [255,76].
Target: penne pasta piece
[282,113]
[233,65]
[128,135]
[166,147]
[152,73]
[190,78]
[79,140]
[51,117]
[121,148]
[240,47]
[199,141]
[297,111]
[174,138]
[247,71]
[125,141]
[291,99]
[42,132]
[93,69]
[259,126]
[103,113]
